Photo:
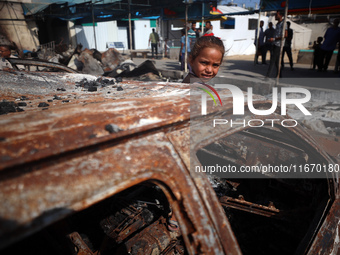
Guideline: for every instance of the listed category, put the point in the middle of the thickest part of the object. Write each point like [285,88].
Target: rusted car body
[102,174]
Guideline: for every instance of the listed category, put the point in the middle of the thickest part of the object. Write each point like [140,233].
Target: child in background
[183,47]
[316,53]
[5,52]
[205,58]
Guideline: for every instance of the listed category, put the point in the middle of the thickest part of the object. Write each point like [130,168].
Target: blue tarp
[302,6]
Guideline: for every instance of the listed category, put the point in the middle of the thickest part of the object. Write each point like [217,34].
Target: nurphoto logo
[238,97]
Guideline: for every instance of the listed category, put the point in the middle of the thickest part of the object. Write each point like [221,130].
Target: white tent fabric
[240,40]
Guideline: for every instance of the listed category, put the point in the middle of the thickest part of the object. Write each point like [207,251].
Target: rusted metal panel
[39,195]
[156,236]
[41,63]
[331,144]
[241,204]
[181,140]
[327,239]
[33,136]
[80,246]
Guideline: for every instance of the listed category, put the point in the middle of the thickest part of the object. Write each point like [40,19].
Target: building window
[252,24]
[228,24]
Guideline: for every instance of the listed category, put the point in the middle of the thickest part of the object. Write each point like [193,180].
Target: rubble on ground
[325,116]
[90,61]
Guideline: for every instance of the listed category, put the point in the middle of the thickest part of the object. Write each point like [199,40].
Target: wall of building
[142,32]
[105,32]
[16,29]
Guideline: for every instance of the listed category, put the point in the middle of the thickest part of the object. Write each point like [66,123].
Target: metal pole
[284,20]
[202,18]
[130,30]
[186,39]
[94,27]
[257,37]
[161,32]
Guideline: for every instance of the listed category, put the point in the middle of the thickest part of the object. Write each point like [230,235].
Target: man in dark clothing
[268,46]
[208,28]
[193,27]
[275,60]
[287,47]
[259,43]
[332,37]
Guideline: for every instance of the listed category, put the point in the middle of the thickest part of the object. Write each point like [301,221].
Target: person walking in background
[287,47]
[5,52]
[193,27]
[332,37]
[259,44]
[183,48]
[268,46]
[275,59]
[208,29]
[192,36]
[317,52]
[154,40]
[200,34]
[337,61]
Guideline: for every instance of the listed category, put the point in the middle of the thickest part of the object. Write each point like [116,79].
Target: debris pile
[50,57]
[325,117]
[146,71]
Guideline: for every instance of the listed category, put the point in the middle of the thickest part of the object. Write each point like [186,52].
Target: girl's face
[207,63]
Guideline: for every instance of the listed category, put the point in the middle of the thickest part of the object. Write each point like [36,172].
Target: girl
[205,58]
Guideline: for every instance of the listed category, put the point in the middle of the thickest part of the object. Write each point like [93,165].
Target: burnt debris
[6,107]
[125,70]
[90,85]
[43,104]
[112,128]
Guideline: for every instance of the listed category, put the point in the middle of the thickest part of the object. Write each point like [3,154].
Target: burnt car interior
[268,214]
[134,221]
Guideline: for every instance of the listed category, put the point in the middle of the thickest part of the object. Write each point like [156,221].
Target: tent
[302,6]
[115,9]
[237,29]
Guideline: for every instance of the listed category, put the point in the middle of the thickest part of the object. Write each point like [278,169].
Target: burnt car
[116,173]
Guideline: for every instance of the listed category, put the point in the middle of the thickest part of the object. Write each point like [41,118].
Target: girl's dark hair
[206,42]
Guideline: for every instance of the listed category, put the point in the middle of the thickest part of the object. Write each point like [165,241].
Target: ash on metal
[112,128]
[100,82]
[6,107]
[43,104]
